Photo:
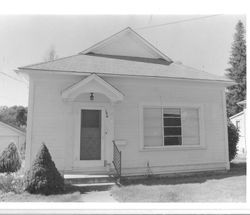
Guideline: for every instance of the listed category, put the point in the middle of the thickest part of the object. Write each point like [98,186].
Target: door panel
[90,137]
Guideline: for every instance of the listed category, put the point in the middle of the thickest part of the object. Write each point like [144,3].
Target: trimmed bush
[43,176]
[233,138]
[10,159]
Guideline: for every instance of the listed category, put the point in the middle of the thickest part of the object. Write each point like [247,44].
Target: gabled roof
[87,64]
[92,84]
[12,127]
[125,54]
[127,43]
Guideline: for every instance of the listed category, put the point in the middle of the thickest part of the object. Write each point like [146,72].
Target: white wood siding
[53,123]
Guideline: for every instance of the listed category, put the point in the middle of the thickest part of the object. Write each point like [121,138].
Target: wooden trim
[77,163]
[200,108]
[207,81]
[224,107]
[29,134]
[112,93]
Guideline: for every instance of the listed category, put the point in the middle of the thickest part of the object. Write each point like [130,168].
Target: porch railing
[117,160]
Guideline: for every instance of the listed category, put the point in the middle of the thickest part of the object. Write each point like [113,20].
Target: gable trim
[111,92]
[143,40]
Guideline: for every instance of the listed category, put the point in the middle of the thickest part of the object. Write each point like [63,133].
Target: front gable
[92,84]
[127,43]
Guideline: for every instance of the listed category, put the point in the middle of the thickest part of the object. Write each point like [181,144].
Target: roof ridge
[49,61]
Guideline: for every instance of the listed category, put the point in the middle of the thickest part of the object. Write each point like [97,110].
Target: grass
[201,187]
[26,197]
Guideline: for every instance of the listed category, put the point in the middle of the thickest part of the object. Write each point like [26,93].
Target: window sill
[172,148]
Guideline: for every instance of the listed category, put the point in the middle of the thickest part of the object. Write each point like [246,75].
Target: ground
[201,187]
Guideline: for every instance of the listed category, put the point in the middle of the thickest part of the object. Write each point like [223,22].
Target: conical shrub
[43,176]
[10,159]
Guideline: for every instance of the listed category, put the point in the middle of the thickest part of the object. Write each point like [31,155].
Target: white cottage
[124,99]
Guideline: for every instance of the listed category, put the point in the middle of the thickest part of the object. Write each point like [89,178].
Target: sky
[25,39]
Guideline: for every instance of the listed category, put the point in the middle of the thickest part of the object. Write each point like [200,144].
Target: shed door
[90,139]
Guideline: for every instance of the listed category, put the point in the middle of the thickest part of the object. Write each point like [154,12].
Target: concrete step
[83,188]
[95,184]
[88,179]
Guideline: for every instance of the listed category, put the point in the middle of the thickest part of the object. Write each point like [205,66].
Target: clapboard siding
[53,121]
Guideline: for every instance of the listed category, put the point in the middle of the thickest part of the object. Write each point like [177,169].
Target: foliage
[233,138]
[11,183]
[15,115]
[237,71]
[43,177]
[10,159]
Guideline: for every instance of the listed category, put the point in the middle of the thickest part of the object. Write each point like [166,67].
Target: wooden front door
[90,135]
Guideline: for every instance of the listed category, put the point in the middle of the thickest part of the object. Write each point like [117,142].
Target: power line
[9,76]
[177,22]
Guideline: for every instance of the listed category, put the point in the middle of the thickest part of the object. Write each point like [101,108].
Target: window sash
[176,113]
[171,132]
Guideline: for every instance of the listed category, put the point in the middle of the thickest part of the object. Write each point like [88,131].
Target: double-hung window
[170,126]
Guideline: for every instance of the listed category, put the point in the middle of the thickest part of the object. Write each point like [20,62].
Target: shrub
[10,159]
[233,138]
[43,176]
[11,183]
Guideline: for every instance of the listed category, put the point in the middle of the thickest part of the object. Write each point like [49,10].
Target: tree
[43,177]
[233,138]
[237,71]
[15,115]
[51,54]
[10,159]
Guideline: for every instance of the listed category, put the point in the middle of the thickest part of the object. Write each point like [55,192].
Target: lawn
[203,187]
[26,197]
[200,187]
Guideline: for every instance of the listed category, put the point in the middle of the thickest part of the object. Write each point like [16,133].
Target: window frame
[180,106]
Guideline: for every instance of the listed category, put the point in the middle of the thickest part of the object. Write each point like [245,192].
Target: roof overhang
[92,84]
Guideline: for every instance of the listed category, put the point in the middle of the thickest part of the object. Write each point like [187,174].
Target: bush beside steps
[43,176]
[10,159]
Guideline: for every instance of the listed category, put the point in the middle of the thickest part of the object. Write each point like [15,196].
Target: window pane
[190,126]
[172,121]
[168,141]
[172,131]
[171,112]
[152,118]
[90,119]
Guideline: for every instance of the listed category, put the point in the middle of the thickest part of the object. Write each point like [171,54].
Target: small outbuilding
[11,134]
